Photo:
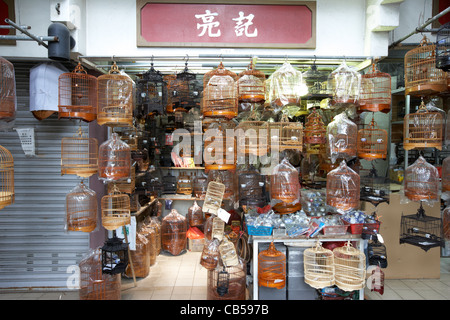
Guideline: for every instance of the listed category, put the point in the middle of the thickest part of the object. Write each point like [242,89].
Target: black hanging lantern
[223,282]
[114,256]
[151,93]
[443,47]
[186,90]
[169,184]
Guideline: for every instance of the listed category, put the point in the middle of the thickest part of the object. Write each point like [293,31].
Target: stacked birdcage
[421,182]
[115,208]
[251,85]
[7,193]
[213,198]
[81,209]
[372,142]
[314,134]
[7,91]
[151,93]
[343,188]
[350,268]
[272,268]
[375,91]
[252,138]
[173,233]
[318,265]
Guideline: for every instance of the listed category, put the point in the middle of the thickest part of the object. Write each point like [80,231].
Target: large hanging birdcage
[318,266]
[421,181]
[173,233]
[151,93]
[375,91]
[7,193]
[314,134]
[115,99]
[423,129]
[342,134]
[81,209]
[7,91]
[77,98]
[344,85]
[252,138]
[422,78]
[115,209]
[350,268]
[220,146]
[251,85]
[186,90]
[272,268]
[443,47]
[251,188]
[343,188]
[286,135]
[372,142]
[114,159]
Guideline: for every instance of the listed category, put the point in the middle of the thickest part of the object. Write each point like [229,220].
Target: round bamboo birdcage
[375,91]
[344,85]
[115,210]
[285,86]
[195,216]
[173,233]
[372,142]
[7,193]
[227,283]
[284,183]
[115,99]
[423,129]
[77,97]
[342,134]
[210,254]
[350,268]
[81,209]
[7,90]
[421,181]
[252,137]
[272,268]
[220,146]
[219,93]
[343,188]
[251,85]
[446,174]
[286,135]
[79,155]
[140,257]
[318,266]
[114,159]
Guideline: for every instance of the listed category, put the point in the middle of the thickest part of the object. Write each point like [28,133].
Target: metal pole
[23,37]
[27,33]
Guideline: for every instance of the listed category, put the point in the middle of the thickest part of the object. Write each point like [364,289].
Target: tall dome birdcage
[251,85]
[342,134]
[81,209]
[151,93]
[343,188]
[375,91]
[114,159]
[372,142]
[350,267]
[285,183]
[272,268]
[7,90]
[421,182]
[173,233]
[344,85]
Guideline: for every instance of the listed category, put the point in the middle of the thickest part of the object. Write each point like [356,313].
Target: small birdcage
[169,184]
[130,136]
[151,93]
[272,268]
[81,209]
[77,98]
[372,142]
[116,210]
[114,159]
[343,188]
[422,78]
[228,253]
[421,230]
[349,267]
[213,197]
[286,135]
[251,85]
[184,184]
[114,256]
[285,183]
[7,193]
[195,217]
[423,129]
[342,134]
[115,99]
[285,87]
[374,188]
[446,174]
[151,184]
[316,82]
[210,254]
[200,184]
[173,233]
[7,91]
[220,146]
[421,181]
[252,188]
[318,266]
[344,85]
[79,155]
[252,137]
[219,93]
[314,134]
[375,91]
[227,283]
[443,47]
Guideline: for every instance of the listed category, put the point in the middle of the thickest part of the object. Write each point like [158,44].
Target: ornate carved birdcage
[114,159]
[251,85]
[375,91]
[318,266]
[423,129]
[421,181]
[219,93]
[314,134]
[151,93]
[446,174]
[184,184]
[252,188]
[7,193]
[422,78]
[342,134]
[443,47]
[79,155]
[173,233]
[200,184]
[343,188]
[374,187]
[286,135]
[114,255]
[220,146]
[115,208]
[252,138]
[7,91]
[214,197]
[285,87]
[285,183]
[372,142]
[115,99]
[227,283]
[210,254]
[350,268]
[77,98]
[344,85]
[81,209]
[420,230]
[186,90]
[272,268]
[169,184]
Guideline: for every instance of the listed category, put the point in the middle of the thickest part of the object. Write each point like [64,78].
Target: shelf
[181,197]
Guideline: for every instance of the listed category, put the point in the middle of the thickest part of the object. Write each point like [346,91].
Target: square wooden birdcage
[220,145]
[79,155]
[343,188]
[115,99]
[314,134]
[77,95]
[219,93]
[286,135]
[7,193]
[375,95]
[423,129]
[81,209]
[184,184]
[443,47]
[422,78]
[251,85]
[372,142]
[115,208]
[7,90]
[151,93]
[114,159]
[252,137]
[421,181]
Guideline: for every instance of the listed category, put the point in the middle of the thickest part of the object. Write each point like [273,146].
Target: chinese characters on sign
[211,27]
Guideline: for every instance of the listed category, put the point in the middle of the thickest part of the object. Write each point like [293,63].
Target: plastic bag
[210,255]
[81,209]
[284,184]
[140,258]
[344,84]
[285,86]
[114,159]
[195,215]
[173,233]
[342,135]
[343,188]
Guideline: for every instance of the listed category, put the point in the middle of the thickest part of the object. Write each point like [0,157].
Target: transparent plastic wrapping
[284,184]
[343,188]
[285,86]
[81,209]
[150,230]
[195,216]
[342,134]
[446,174]
[173,233]
[210,254]
[446,223]
[421,182]
[114,159]
[140,258]
[344,84]
[7,91]
[156,224]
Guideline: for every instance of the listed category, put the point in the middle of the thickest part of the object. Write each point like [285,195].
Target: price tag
[224,215]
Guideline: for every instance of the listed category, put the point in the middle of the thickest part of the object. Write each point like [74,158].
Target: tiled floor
[182,278]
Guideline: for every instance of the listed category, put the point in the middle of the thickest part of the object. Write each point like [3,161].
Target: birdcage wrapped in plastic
[151,229]
[252,138]
[446,174]
[114,159]
[173,233]
[316,82]
[195,216]
[285,183]
[81,209]
[372,142]
[421,181]
[343,188]
[220,146]
[7,193]
[251,85]
[210,254]
[350,268]
[318,266]
[443,47]
[272,268]
[7,91]
[115,208]
[342,134]
[227,283]
[140,257]
[344,85]
[375,91]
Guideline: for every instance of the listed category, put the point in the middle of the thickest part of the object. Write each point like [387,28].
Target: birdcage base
[81,172]
[116,174]
[6,199]
[220,114]
[254,98]
[42,114]
[286,208]
[83,225]
[220,167]
[375,107]
[414,145]
[85,116]
[271,280]
[314,140]
[415,196]
[424,243]
[426,89]
[349,283]
[319,280]
[112,223]
[115,121]
[342,205]
[371,156]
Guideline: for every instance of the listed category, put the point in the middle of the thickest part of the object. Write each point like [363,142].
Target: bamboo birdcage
[7,193]
[285,86]
[114,159]
[125,186]
[228,178]
[446,174]
[342,134]
[77,98]
[220,146]
[251,85]
[423,129]
[151,93]
[116,210]
[173,233]
[375,91]
[422,78]
[421,181]
[219,93]
[443,47]
[285,183]
[7,90]
[210,254]
[213,197]
[228,253]
[372,142]
[227,283]
[343,188]
[344,85]
[184,184]
[314,134]
[350,268]
[272,268]
[252,137]
[79,155]
[318,266]
[81,209]
[286,135]
[115,99]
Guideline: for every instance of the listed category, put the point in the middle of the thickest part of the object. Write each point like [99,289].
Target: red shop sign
[266,24]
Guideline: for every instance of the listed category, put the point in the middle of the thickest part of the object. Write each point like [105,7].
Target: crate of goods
[334,226]
[357,221]
[259,230]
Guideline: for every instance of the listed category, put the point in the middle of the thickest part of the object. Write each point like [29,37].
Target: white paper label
[224,215]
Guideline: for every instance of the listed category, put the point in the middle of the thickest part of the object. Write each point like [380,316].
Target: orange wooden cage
[7,90]
[421,182]
[372,142]
[375,92]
